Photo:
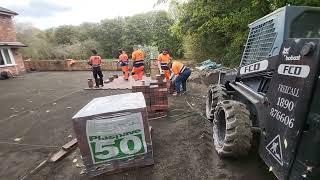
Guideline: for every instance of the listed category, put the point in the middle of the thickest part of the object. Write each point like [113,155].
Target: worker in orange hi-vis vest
[163,60]
[95,63]
[180,75]
[124,63]
[138,65]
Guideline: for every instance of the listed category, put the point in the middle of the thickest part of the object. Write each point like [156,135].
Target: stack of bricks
[156,96]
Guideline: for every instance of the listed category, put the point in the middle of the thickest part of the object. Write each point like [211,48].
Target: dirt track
[41,106]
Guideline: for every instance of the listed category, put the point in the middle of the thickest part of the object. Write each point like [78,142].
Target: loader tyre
[216,93]
[232,129]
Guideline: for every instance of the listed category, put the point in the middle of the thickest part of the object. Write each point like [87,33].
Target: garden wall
[66,65]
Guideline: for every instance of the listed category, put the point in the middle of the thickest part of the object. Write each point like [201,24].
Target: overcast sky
[49,13]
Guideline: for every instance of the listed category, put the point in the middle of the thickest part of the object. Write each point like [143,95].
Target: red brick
[7,29]
[8,34]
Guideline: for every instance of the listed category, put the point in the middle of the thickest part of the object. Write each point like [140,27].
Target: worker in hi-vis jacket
[138,65]
[180,74]
[124,63]
[163,60]
[95,63]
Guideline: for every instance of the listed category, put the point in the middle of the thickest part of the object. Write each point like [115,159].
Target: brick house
[10,58]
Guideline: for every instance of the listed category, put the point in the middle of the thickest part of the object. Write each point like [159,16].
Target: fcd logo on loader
[255,67]
[294,70]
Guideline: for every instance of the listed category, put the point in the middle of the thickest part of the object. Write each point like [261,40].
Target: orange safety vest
[164,58]
[123,57]
[95,61]
[177,67]
[137,55]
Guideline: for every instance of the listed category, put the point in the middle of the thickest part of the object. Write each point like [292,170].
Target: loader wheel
[232,129]
[216,93]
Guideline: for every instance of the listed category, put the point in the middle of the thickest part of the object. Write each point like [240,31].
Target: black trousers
[97,71]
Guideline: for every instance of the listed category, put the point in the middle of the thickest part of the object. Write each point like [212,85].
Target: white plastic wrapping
[113,103]
[113,133]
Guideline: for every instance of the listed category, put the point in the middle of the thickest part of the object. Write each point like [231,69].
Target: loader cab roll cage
[267,34]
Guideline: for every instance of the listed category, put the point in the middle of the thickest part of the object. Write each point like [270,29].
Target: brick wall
[7,29]
[8,34]
[64,65]
[12,69]
[17,69]
[81,65]
[19,61]
[107,65]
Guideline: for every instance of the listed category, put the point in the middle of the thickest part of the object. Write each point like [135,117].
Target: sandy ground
[38,109]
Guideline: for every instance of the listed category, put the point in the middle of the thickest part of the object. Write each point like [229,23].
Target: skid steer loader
[274,93]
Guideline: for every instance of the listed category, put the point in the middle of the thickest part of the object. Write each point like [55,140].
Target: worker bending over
[163,60]
[124,63]
[138,66]
[180,75]
[95,63]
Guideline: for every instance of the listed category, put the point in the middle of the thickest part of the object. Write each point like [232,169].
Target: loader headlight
[307,49]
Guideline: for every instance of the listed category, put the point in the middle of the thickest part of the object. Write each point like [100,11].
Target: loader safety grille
[259,43]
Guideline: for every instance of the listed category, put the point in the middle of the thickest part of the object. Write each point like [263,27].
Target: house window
[6,57]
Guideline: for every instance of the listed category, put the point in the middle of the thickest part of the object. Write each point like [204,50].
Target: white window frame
[13,62]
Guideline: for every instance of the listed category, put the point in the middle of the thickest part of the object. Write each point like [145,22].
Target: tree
[38,46]
[66,34]
[218,29]
[109,36]
[148,29]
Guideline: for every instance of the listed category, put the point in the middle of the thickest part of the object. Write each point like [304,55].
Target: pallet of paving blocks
[113,134]
[156,96]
